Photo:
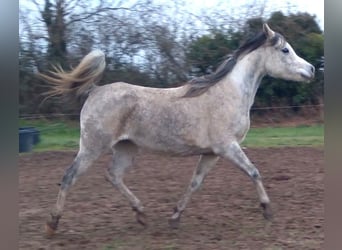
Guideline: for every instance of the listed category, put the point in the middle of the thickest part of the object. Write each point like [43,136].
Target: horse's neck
[246,77]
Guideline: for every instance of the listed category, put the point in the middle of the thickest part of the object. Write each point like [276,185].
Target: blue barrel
[34,131]
[25,140]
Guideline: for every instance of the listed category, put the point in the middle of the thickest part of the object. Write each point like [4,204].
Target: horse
[208,116]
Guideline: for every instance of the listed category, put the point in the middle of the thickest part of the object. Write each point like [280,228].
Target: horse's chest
[239,124]
[241,129]
[234,128]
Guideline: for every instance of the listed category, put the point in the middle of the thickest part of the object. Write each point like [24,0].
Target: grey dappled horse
[208,116]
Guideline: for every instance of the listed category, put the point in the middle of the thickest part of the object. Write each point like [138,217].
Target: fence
[56,115]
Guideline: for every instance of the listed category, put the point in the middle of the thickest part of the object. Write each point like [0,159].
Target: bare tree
[60,17]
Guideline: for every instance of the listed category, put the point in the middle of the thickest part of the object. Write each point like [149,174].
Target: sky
[313,7]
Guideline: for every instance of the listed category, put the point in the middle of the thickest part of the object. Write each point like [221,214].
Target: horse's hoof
[267,211]
[141,218]
[52,224]
[174,222]
[49,229]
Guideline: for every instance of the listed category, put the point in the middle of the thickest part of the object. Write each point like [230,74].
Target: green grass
[64,135]
[285,136]
[55,135]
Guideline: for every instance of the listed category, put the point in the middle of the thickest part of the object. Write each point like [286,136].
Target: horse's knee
[116,182]
[197,180]
[196,183]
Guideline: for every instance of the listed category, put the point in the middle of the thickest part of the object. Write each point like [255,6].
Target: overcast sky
[313,7]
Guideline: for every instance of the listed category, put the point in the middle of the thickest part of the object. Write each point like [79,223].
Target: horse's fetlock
[138,209]
[255,175]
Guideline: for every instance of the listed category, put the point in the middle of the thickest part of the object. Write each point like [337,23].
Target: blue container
[25,140]
[34,131]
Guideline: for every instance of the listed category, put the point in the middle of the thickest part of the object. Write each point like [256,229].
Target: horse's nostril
[312,69]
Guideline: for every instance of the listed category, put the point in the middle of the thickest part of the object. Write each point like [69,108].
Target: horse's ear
[267,30]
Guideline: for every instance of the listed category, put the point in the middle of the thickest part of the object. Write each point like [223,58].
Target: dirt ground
[223,214]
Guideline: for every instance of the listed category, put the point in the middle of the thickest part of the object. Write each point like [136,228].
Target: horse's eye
[285,50]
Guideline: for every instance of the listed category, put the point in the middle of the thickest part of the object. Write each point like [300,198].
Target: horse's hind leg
[82,161]
[204,165]
[235,154]
[123,156]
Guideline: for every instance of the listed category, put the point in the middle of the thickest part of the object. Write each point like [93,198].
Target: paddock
[223,214]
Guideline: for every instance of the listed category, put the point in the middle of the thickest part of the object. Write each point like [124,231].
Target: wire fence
[57,126]
[61,115]
[288,107]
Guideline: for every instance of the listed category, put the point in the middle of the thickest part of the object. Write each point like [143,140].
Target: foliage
[207,51]
[152,44]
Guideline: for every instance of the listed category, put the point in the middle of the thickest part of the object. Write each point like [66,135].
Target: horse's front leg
[205,163]
[234,153]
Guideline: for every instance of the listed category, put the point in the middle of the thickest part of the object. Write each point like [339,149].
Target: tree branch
[94,13]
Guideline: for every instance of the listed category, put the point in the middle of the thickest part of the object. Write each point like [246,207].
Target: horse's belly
[171,146]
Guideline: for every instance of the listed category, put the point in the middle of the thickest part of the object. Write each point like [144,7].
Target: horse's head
[282,61]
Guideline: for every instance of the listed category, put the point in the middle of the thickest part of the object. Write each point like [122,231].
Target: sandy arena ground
[223,214]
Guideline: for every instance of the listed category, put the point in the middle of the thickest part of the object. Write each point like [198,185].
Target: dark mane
[199,85]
